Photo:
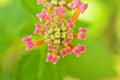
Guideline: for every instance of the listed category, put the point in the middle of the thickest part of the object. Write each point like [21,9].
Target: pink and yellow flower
[57,30]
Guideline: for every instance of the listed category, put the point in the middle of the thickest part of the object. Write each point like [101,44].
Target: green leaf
[52,72]
[32,66]
[118,26]
[83,24]
[5,76]
[32,6]
[80,24]
[5,42]
[27,29]
[94,64]
[12,17]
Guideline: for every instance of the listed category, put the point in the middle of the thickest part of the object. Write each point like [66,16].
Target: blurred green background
[100,62]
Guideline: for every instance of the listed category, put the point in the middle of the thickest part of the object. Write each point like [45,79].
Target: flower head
[57,30]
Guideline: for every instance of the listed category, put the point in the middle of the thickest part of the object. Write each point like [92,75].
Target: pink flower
[80,48]
[78,4]
[51,58]
[66,41]
[52,47]
[59,10]
[29,43]
[48,5]
[70,33]
[82,34]
[65,52]
[42,15]
[58,30]
[49,17]
[39,1]
[70,23]
[61,20]
[74,5]
[38,29]
[83,7]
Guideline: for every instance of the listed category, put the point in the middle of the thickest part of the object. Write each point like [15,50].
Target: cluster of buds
[57,30]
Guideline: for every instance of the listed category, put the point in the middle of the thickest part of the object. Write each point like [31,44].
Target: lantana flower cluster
[57,30]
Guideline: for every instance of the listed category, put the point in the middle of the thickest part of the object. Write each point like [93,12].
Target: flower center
[56,34]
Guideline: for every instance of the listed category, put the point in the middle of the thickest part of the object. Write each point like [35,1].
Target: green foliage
[11,18]
[5,41]
[32,6]
[27,29]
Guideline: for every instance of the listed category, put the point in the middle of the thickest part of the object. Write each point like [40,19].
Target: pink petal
[49,17]
[80,48]
[68,50]
[70,5]
[70,24]
[82,34]
[70,33]
[62,11]
[41,15]
[83,7]
[48,5]
[76,3]
[65,52]
[49,57]
[60,20]
[38,29]
[56,10]
[66,41]
[52,47]
[83,30]
[59,10]
[39,1]
[27,39]
[77,52]
[55,59]
[29,43]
